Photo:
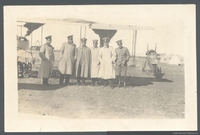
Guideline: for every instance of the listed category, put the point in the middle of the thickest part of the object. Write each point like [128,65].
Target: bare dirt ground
[144,98]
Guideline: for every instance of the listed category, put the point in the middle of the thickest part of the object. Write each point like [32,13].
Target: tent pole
[41,34]
[21,30]
[85,32]
[132,43]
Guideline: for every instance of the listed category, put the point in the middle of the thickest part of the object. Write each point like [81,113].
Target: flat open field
[144,98]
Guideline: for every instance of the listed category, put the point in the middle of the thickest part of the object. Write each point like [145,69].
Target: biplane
[101,29]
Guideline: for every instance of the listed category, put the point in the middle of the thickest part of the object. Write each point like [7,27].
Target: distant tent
[175,60]
[165,58]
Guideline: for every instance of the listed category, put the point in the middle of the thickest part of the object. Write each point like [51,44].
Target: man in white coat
[67,60]
[95,63]
[47,55]
[107,57]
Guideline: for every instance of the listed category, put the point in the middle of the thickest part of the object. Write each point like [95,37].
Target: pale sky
[171,22]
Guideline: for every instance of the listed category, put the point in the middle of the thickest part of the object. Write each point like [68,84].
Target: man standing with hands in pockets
[47,55]
[67,60]
[83,63]
[123,56]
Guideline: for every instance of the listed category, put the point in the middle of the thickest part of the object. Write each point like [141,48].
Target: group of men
[84,62]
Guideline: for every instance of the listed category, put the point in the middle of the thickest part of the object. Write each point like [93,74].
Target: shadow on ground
[131,82]
[32,86]
[144,81]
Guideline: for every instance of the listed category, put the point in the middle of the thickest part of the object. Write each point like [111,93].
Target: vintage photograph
[104,61]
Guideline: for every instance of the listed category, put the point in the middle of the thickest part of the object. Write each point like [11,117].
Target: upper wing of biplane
[102,29]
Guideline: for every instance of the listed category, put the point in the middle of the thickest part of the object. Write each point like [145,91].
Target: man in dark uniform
[123,56]
[83,63]
[47,55]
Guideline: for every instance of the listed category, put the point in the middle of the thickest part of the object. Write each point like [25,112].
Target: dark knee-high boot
[93,81]
[111,83]
[119,81]
[125,81]
[105,82]
[45,81]
[83,81]
[78,80]
[67,80]
[96,81]
[61,79]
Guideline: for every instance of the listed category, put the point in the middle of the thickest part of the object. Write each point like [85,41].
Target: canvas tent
[165,58]
[175,60]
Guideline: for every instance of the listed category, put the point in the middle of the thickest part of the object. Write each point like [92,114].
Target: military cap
[70,36]
[105,38]
[48,37]
[95,41]
[119,41]
[83,39]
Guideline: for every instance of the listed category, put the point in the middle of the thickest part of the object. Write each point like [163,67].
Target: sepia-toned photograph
[105,62]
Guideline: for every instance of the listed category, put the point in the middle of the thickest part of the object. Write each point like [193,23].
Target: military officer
[123,56]
[47,55]
[95,63]
[83,63]
[67,60]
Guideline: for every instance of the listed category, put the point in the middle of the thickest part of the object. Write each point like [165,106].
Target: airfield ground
[144,97]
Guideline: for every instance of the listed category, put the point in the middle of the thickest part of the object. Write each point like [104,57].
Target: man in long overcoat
[67,60]
[107,57]
[123,56]
[95,63]
[83,63]
[47,55]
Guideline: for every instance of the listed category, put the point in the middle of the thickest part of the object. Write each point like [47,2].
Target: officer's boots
[45,81]
[125,81]
[67,80]
[61,80]
[97,82]
[105,82]
[119,81]
[83,81]
[93,81]
[78,81]
[111,83]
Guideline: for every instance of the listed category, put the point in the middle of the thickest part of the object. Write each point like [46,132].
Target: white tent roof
[175,60]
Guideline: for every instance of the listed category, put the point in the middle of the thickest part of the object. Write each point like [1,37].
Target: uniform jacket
[84,59]
[47,55]
[123,56]
[67,58]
